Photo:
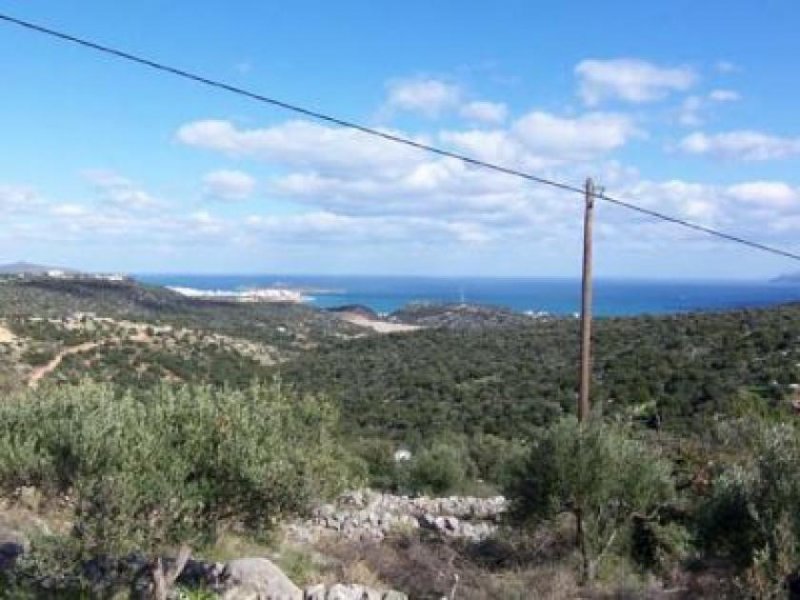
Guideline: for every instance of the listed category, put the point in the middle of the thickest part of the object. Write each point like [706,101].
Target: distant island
[26,268]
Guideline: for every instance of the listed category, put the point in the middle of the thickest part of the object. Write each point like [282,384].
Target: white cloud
[724,96]
[120,191]
[541,140]
[581,137]
[426,96]
[683,199]
[759,210]
[497,146]
[444,188]
[329,227]
[356,190]
[743,145]
[485,112]
[229,184]
[301,144]
[360,188]
[18,198]
[693,107]
[630,80]
[690,111]
[436,204]
[69,210]
[770,194]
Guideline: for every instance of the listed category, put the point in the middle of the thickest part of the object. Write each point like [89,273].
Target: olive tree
[753,511]
[152,470]
[597,472]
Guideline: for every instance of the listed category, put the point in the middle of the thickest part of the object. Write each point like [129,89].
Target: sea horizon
[556,295]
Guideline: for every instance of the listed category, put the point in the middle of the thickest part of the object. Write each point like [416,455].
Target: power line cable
[388,136]
[697,227]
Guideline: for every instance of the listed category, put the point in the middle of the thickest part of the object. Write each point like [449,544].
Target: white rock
[315,592]
[257,579]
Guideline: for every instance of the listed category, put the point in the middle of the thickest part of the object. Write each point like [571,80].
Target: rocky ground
[362,515]
[369,515]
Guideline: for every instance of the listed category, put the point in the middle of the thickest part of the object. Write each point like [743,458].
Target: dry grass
[231,545]
[31,515]
[430,568]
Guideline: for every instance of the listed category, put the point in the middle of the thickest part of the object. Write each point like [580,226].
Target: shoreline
[269,295]
[530,297]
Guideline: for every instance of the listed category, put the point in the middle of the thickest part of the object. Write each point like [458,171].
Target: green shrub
[441,468]
[377,456]
[496,458]
[171,465]
[753,512]
[600,474]
[451,463]
[38,357]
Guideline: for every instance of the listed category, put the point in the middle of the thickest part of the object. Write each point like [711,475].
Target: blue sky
[684,107]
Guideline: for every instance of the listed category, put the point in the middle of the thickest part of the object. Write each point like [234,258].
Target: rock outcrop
[371,516]
[352,591]
[260,579]
[256,579]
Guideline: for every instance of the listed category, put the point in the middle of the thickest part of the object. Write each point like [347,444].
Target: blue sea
[612,297]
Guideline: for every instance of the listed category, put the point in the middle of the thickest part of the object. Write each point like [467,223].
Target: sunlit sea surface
[551,295]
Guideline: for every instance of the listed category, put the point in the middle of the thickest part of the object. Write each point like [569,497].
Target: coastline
[532,296]
[277,295]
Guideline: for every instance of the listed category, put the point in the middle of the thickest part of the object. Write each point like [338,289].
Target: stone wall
[371,515]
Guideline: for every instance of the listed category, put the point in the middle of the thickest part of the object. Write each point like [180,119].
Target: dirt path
[40,372]
[6,336]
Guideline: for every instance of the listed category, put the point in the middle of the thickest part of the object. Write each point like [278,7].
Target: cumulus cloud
[693,109]
[300,144]
[426,96]
[120,191]
[18,198]
[540,139]
[229,184]
[760,210]
[580,137]
[684,199]
[745,145]
[69,210]
[435,204]
[630,80]
[498,146]
[724,96]
[445,188]
[351,189]
[770,194]
[369,189]
[485,112]
[325,226]
[690,112]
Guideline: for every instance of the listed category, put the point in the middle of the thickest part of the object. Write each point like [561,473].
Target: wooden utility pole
[586,305]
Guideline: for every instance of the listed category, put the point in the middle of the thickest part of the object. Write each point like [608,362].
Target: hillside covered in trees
[673,372]
[248,416]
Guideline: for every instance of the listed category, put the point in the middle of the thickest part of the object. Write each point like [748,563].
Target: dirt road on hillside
[40,372]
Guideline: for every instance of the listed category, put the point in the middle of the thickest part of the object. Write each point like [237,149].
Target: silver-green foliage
[753,511]
[598,472]
[171,464]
